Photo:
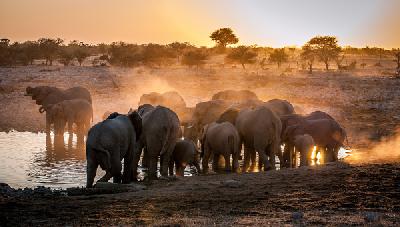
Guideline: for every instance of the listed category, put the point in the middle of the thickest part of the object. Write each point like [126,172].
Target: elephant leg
[90,173]
[227,158]
[171,167]
[180,170]
[70,123]
[116,170]
[273,149]
[260,164]
[215,162]
[246,163]
[264,159]
[127,172]
[106,177]
[197,166]
[303,158]
[164,163]
[253,157]
[135,161]
[335,154]
[153,160]
[235,162]
[145,160]
[206,157]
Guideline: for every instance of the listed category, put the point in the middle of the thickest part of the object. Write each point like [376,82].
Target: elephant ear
[229,115]
[113,115]
[137,123]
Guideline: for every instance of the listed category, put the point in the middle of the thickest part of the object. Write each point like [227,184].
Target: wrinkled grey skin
[172,100]
[325,130]
[260,131]
[304,144]
[204,113]
[235,95]
[78,111]
[108,143]
[160,132]
[46,96]
[280,107]
[185,153]
[220,139]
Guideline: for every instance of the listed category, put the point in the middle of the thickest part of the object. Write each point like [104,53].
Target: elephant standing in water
[46,96]
[108,143]
[185,153]
[160,132]
[220,139]
[78,111]
[325,130]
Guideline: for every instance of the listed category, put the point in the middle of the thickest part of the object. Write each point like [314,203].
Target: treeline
[324,49]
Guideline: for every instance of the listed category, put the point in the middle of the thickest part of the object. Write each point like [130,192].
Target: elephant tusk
[42,109]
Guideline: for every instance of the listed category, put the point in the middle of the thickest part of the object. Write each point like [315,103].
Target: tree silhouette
[66,55]
[326,48]
[242,55]
[224,37]
[49,48]
[194,57]
[122,54]
[308,55]
[156,54]
[278,56]
[179,48]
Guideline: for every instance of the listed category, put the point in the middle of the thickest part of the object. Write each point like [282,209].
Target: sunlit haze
[268,23]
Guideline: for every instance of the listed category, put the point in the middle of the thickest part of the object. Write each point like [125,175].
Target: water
[34,159]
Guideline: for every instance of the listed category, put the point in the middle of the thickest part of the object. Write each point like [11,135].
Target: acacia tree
[194,58]
[224,37]
[179,48]
[242,55]
[326,48]
[49,48]
[308,55]
[278,56]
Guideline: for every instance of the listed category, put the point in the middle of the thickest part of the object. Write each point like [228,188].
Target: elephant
[185,153]
[327,134]
[279,106]
[108,143]
[220,139]
[235,96]
[204,113]
[172,100]
[304,144]
[329,139]
[78,111]
[46,95]
[260,131]
[160,132]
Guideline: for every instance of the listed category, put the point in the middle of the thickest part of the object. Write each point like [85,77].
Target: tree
[66,55]
[49,48]
[31,51]
[194,57]
[156,54]
[326,48]
[179,48]
[242,55]
[224,37]
[122,54]
[397,55]
[278,56]
[308,55]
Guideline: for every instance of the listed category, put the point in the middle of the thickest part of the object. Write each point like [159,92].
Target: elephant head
[39,93]
[145,108]
[291,132]
[305,145]
[229,115]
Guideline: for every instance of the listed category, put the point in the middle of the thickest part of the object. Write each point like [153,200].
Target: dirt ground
[366,102]
[336,194]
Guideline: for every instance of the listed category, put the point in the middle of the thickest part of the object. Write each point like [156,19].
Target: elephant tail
[231,144]
[166,141]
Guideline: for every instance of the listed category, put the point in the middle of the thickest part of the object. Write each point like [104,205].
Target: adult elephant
[204,113]
[220,139]
[235,95]
[160,132]
[78,111]
[279,106]
[45,96]
[260,131]
[325,130]
[108,143]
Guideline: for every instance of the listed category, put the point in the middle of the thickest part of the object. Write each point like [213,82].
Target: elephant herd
[168,132]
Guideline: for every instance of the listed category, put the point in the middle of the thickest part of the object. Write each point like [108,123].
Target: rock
[297,215]
[232,184]
[372,216]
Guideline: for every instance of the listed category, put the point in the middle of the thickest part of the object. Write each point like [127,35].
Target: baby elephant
[220,139]
[78,111]
[305,145]
[185,153]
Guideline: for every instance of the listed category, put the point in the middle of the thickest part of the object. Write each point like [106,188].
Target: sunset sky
[264,22]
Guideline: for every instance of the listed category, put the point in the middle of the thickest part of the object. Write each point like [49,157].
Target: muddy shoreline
[334,194]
